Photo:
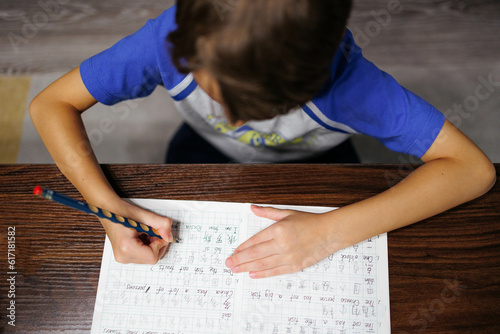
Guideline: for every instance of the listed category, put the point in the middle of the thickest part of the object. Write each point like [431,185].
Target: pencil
[93,210]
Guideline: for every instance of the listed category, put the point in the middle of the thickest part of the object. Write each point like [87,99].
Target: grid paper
[191,291]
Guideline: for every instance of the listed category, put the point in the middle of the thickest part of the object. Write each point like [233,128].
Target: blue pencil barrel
[91,209]
[68,201]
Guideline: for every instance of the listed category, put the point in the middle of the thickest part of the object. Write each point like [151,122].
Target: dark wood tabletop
[444,272]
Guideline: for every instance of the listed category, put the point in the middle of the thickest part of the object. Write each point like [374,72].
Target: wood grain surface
[57,35]
[444,271]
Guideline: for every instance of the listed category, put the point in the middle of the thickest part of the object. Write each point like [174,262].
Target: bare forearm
[61,128]
[431,189]
[56,114]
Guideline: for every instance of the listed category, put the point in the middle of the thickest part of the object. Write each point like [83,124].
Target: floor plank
[36,39]
[429,33]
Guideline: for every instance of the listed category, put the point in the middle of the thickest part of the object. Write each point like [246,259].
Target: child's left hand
[296,241]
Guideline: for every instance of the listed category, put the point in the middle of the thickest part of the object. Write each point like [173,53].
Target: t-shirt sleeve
[371,102]
[127,70]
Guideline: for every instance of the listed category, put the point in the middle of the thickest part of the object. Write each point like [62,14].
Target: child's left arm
[455,171]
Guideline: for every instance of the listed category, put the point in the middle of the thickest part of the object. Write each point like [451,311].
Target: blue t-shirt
[358,98]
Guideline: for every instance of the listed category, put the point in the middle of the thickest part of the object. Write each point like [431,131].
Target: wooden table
[444,271]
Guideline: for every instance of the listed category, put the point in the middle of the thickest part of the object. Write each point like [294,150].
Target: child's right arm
[56,114]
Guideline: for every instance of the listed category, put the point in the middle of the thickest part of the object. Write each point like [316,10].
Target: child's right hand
[130,246]
[56,114]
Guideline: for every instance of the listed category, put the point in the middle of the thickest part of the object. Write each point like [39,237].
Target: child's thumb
[269,212]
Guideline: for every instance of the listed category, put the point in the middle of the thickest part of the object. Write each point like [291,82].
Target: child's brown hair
[267,56]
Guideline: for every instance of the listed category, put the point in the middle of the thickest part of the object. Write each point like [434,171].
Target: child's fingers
[267,233]
[280,270]
[161,224]
[269,212]
[166,234]
[260,264]
[159,248]
[133,248]
[149,254]
[263,236]
[255,252]
[162,252]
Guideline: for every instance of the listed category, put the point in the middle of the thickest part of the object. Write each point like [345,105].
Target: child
[263,81]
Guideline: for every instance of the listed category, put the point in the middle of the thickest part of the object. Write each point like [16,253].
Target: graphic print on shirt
[249,136]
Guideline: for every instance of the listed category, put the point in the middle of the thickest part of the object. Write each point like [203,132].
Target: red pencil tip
[38,190]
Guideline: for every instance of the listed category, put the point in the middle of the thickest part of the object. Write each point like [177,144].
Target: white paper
[191,291]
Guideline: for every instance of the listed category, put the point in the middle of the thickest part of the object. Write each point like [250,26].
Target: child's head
[267,56]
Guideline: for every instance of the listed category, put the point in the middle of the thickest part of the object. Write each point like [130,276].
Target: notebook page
[191,291]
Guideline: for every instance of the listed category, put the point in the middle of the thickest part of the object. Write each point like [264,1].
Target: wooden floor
[438,49]
[36,39]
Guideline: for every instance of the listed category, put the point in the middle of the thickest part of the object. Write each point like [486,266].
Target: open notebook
[191,291]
